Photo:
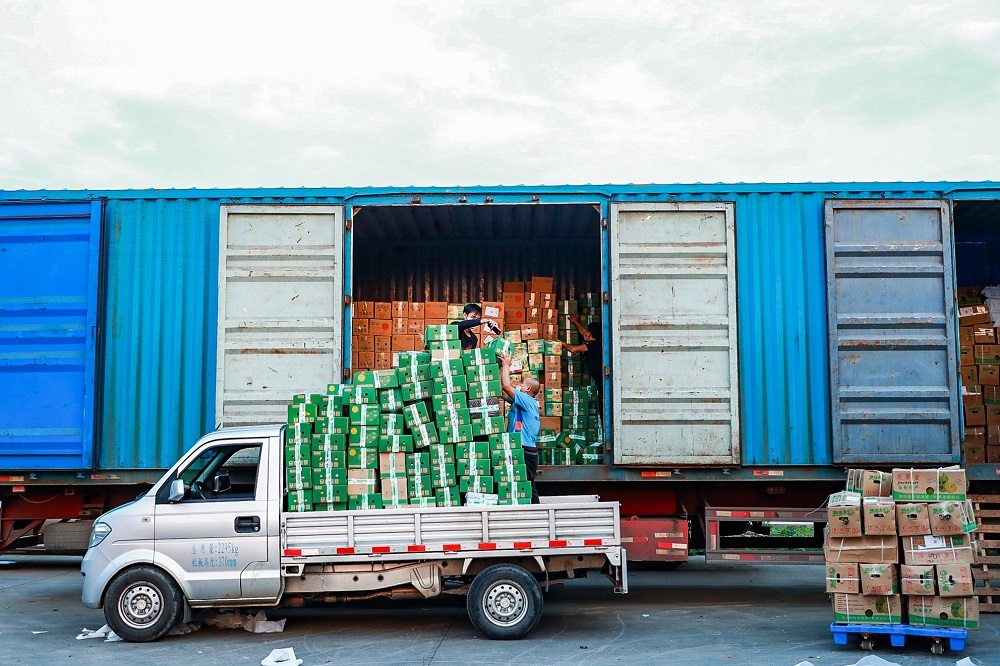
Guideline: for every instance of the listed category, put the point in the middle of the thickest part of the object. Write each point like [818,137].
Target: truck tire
[142,604]
[504,602]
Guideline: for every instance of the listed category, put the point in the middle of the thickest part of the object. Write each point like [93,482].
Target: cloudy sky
[216,94]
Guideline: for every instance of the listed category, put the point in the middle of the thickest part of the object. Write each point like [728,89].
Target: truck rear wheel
[143,604]
[504,602]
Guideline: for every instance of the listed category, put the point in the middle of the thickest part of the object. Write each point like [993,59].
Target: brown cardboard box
[986,354]
[552,363]
[400,309]
[917,581]
[955,580]
[383,344]
[533,315]
[912,519]
[550,331]
[551,423]
[549,301]
[529,332]
[553,379]
[518,287]
[951,549]
[493,310]
[992,413]
[383,361]
[435,310]
[966,335]
[989,375]
[975,454]
[984,335]
[960,613]
[392,464]
[965,355]
[992,436]
[928,485]
[991,395]
[969,295]
[550,316]
[401,326]
[879,516]
[360,326]
[415,326]
[992,454]
[843,577]
[394,489]
[363,343]
[970,375]
[363,309]
[416,311]
[973,314]
[403,343]
[973,395]
[870,483]
[859,609]
[542,283]
[948,518]
[879,579]
[362,481]
[383,310]
[975,415]
[515,315]
[866,549]
[513,299]
[380,326]
[533,299]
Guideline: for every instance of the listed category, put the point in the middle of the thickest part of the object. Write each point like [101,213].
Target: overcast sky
[217,94]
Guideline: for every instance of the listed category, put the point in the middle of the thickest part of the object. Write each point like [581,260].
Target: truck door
[281,308]
[219,535]
[891,307]
[673,334]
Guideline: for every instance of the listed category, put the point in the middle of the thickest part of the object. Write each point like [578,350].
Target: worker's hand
[574,318]
[504,359]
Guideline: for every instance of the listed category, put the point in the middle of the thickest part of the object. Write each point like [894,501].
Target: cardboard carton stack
[899,550]
[979,355]
[425,433]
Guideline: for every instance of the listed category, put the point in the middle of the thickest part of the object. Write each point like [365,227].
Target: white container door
[281,308]
[673,334]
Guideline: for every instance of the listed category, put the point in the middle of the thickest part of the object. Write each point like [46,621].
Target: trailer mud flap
[618,571]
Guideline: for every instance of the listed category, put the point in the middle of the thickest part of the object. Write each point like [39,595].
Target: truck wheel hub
[141,605]
[505,604]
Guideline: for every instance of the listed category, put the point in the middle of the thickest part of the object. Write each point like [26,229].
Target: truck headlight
[99,533]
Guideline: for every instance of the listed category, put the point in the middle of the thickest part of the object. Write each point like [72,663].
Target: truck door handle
[247,524]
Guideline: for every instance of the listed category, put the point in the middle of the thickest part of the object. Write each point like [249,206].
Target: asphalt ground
[698,614]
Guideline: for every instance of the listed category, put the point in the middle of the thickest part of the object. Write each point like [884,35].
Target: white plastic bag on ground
[281,657]
[230,620]
[103,632]
[259,624]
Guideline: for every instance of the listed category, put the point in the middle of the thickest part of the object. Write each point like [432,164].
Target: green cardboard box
[446,400]
[329,406]
[454,367]
[338,425]
[514,490]
[443,474]
[300,398]
[419,486]
[553,348]
[567,307]
[417,390]
[448,497]
[396,444]
[441,332]
[299,454]
[390,425]
[415,414]
[411,358]
[450,384]
[418,464]
[478,467]
[487,389]
[553,409]
[390,400]
[301,413]
[300,500]
[298,478]
[553,395]
[444,345]
[329,493]
[509,472]
[476,484]
[364,415]
[503,347]
[424,435]
[454,434]
[482,373]
[324,458]
[536,346]
[472,451]
[452,417]
[298,433]
[361,395]
[362,457]
[365,502]
[560,457]
[415,373]
[503,456]
[330,506]
[493,425]
[576,396]
[423,502]
[380,379]
[322,476]
[571,409]
[333,442]
[505,440]
[480,357]
[575,422]
[547,439]
[441,452]
[363,435]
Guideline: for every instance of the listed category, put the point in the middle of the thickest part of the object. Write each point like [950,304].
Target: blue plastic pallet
[898,633]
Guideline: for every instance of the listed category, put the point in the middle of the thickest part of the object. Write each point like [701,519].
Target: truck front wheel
[143,604]
[504,602]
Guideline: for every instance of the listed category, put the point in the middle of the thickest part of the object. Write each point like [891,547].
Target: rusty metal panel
[892,332]
[673,334]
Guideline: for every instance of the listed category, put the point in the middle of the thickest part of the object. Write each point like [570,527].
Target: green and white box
[361,457]
[325,458]
[448,497]
[424,435]
[396,444]
[322,476]
[380,379]
[418,464]
[476,484]
[441,332]
[361,395]
[363,435]
[365,414]
[413,391]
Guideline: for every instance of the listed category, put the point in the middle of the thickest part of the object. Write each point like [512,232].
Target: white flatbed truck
[213,533]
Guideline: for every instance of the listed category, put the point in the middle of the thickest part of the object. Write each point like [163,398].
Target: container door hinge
[347,374]
[607,371]
[347,300]
[604,223]
[348,224]
[605,297]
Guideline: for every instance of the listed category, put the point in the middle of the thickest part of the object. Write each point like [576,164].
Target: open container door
[673,334]
[893,372]
[281,308]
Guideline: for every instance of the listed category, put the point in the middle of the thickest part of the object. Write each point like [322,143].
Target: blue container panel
[49,255]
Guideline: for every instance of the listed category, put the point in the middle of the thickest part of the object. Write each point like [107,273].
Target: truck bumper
[97,569]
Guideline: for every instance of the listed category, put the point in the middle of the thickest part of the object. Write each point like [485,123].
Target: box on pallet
[843,577]
[941,612]
[917,580]
[879,515]
[860,609]
[879,579]
[928,485]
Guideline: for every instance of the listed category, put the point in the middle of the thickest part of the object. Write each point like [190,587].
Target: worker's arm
[574,349]
[464,324]
[505,385]
[580,327]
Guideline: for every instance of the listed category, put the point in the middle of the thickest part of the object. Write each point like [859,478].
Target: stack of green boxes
[421,434]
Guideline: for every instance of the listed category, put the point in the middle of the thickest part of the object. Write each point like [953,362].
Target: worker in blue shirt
[523,417]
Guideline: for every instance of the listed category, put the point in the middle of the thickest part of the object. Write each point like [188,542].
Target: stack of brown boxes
[979,353]
[531,307]
[920,514]
[379,330]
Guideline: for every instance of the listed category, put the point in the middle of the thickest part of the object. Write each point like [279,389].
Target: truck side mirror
[176,491]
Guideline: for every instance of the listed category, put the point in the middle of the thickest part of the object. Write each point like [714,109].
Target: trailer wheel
[143,604]
[504,602]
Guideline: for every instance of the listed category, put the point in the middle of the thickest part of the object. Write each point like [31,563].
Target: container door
[280,308]
[894,372]
[673,334]
[49,272]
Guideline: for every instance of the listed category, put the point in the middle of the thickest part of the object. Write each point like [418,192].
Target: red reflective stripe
[452,546]
[522,544]
[487,546]
[740,514]
[345,551]
[593,542]
[293,552]
[556,544]
[416,549]
[380,549]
